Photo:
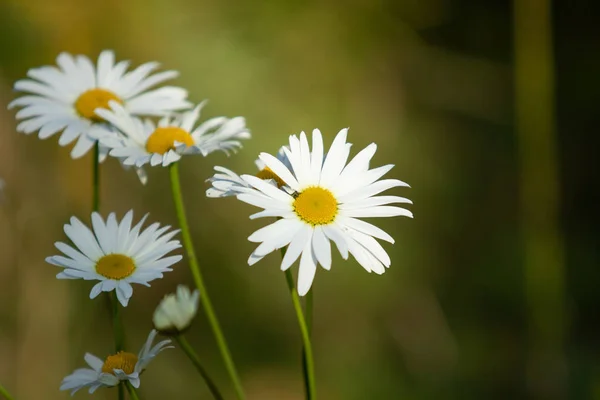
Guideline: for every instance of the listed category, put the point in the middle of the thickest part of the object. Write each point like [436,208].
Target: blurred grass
[430,82]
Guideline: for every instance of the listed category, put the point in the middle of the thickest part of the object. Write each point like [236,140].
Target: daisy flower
[116,368]
[142,142]
[227,183]
[115,254]
[176,311]
[65,98]
[329,198]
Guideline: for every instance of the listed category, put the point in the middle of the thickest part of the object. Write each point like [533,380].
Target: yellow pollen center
[316,206]
[163,139]
[267,173]
[115,266]
[92,99]
[122,360]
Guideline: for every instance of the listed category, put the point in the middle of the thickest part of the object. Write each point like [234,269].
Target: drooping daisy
[227,183]
[143,143]
[329,199]
[115,254]
[65,98]
[122,366]
[176,311]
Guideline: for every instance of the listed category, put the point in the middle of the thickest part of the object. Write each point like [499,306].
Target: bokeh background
[488,109]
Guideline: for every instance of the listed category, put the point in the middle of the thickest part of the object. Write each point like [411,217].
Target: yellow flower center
[92,99]
[163,139]
[115,266]
[122,360]
[316,206]
[267,173]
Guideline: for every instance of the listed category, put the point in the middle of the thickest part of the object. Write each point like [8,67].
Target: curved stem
[308,312]
[194,267]
[309,370]
[5,393]
[308,309]
[132,392]
[189,351]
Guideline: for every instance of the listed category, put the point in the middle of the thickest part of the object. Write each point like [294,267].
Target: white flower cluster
[105,103]
[317,196]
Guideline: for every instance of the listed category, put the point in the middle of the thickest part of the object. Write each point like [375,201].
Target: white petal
[94,362]
[370,190]
[379,211]
[298,243]
[335,160]
[83,239]
[262,201]
[367,228]
[268,189]
[321,247]
[316,162]
[334,233]
[279,169]
[374,201]
[308,268]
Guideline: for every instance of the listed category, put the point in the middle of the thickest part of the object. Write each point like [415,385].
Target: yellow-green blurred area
[492,292]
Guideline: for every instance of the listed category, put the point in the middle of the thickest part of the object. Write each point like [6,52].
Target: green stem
[96,178]
[308,311]
[189,351]
[121,391]
[194,267]
[117,330]
[117,323]
[132,392]
[309,375]
[5,393]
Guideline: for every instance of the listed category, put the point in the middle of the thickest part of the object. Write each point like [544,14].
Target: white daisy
[329,198]
[143,143]
[227,183]
[122,366]
[65,98]
[115,254]
[176,311]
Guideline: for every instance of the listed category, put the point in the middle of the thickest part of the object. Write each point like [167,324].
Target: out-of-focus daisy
[115,254]
[227,183]
[176,311]
[65,98]
[122,366]
[329,196]
[142,142]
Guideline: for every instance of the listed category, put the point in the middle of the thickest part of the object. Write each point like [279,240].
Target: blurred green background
[487,110]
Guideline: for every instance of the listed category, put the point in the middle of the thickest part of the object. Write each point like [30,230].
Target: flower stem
[308,312]
[117,331]
[5,393]
[117,323]
[189,351]
[308,309]
[309,369]
[194,267]
[96,178]
[132,392]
